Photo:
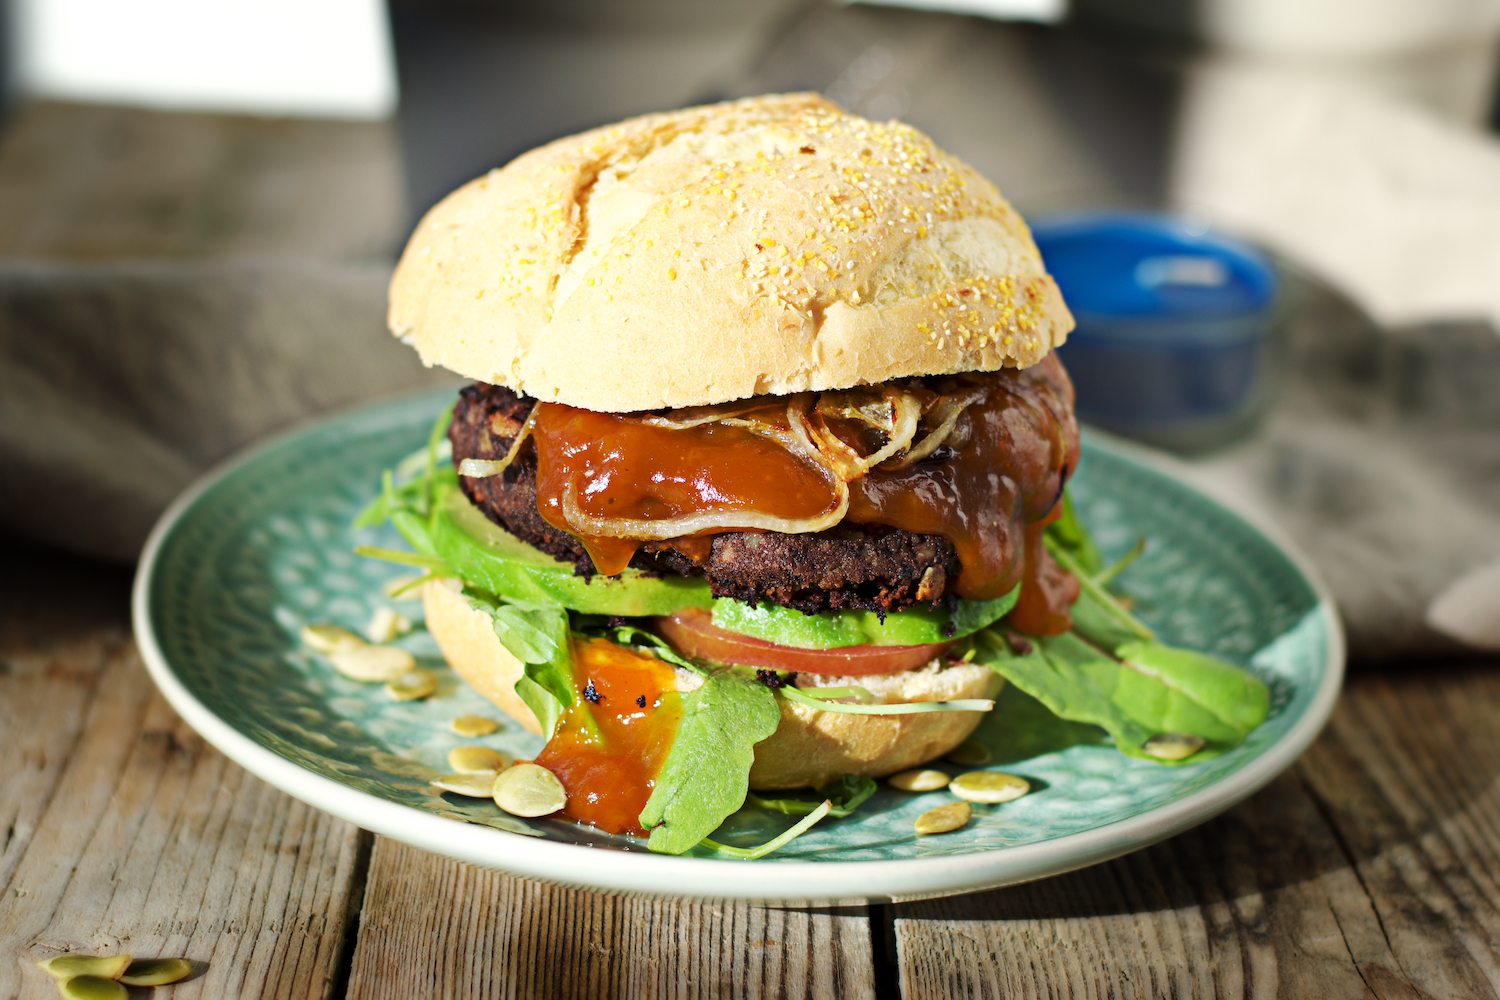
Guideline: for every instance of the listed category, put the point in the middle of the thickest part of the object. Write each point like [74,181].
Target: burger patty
[847,567]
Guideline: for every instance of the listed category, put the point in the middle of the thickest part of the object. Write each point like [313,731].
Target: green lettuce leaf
[707,772]
[537,635]
[1152,689]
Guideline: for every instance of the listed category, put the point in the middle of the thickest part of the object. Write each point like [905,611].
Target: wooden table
[1372,868]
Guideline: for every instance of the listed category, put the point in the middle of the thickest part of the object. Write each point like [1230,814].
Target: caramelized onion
[647,529]
[482,468]
[947,411]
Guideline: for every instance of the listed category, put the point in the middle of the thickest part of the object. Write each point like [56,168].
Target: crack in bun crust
[770,245]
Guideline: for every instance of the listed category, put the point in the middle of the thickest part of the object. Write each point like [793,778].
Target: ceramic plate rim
[789,882]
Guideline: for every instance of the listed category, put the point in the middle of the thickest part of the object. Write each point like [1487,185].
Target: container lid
[1158,267]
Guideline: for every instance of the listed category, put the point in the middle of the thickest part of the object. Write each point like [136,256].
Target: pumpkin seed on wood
[92,988]
[474,725]
[529,790]
[475,760]
[329,639]
[472,785]
[413,685]
[969,754]
[372,664]
[68,966]
[920,780]
[944,819]
[157,972]
[991,787]
[386,625]
[1173,746]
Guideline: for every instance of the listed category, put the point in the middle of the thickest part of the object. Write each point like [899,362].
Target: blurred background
[1278,221]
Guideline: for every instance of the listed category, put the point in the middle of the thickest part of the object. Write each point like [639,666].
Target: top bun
[769,245]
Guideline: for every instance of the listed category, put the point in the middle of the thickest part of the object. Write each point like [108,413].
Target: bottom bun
[808,748]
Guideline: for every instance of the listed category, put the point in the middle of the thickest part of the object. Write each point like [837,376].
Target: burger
[760,483]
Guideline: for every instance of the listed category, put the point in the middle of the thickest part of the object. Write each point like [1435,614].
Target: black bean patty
[847,567]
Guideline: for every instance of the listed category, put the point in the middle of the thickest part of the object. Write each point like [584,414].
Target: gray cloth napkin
[120,384]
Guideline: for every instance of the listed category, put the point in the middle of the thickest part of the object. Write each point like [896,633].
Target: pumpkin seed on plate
[472,785]
[529,790]
[386,625]
[919,780]
[92,988]
[474,725]
[372,664]
[1173,746]
[990,787]
[475,760]
[413,685]
[157,972]
[329,639]
[944,819]
[68,966]
[969,753]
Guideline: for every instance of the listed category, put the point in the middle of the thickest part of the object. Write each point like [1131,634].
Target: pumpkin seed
[944,819]
[413,685]
[475,760]
[157,972]
[969,754]
[474,725]
[68,966]
[93,988]
[1173,746]
[920,780]
[529,790]
[386,625]
[372,664]
[474,786]
[329,639]
[990,787]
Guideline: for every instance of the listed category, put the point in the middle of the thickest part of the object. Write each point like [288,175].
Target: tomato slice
[694,634]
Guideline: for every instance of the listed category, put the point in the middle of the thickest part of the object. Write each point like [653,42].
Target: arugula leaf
[1097,615]
[707,772]
[844,794]
[413,493]
[1191,692]
[1069,534]
[776,843]
[1154,689]
[537,635]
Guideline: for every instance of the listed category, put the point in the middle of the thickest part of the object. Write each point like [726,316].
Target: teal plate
[263,546]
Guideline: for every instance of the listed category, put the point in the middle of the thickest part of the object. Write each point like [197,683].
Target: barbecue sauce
[990,490]
[610,744]
[621,467]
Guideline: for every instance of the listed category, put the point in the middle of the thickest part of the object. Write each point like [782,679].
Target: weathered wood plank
[1369,870]
[123,830]
[434,927]
[1409,779]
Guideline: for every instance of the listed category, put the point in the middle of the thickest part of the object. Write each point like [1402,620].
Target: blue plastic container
[1175,325]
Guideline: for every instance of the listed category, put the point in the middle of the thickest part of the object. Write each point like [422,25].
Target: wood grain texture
[124,831]
[1369,870]
[434,927]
